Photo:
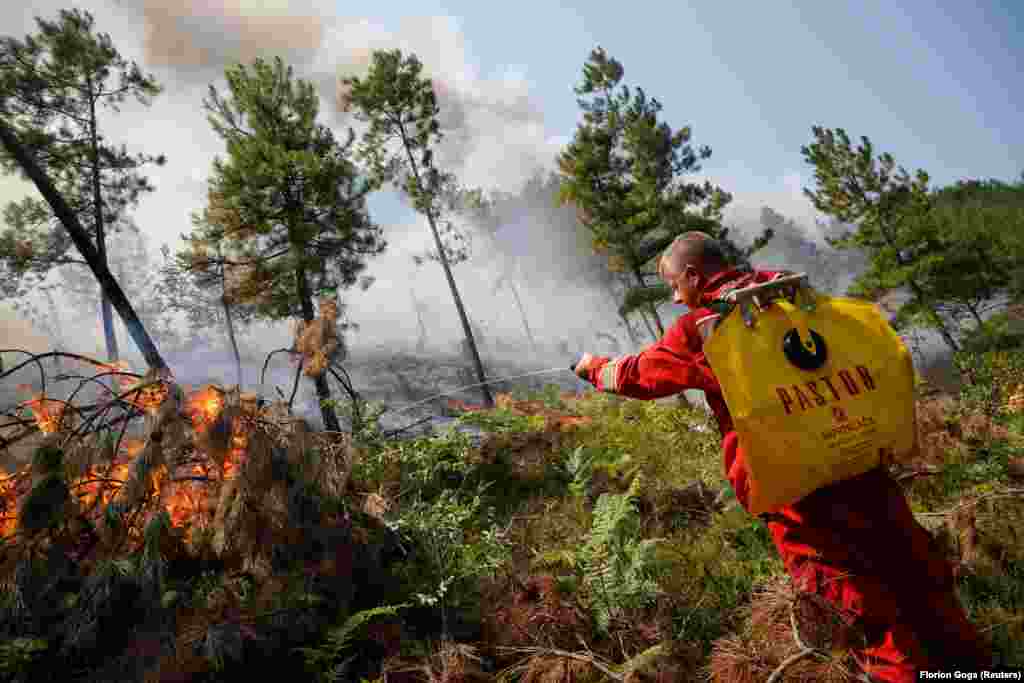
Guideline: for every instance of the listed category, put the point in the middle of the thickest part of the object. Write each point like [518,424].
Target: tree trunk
[522,314]
[625,321]
[101,242]
[481,376]
[323,389]
[919,292]
[647,323]
[80,237]
[230,323]
[421,343]
[58,328]
[653,309]
[947,336]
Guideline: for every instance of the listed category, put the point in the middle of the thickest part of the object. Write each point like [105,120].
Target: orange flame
[48,412]
[204,406]
[12,486]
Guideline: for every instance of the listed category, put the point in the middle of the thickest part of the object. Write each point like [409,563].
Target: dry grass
[782,623]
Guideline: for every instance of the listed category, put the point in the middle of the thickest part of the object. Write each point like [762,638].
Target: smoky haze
[496,138]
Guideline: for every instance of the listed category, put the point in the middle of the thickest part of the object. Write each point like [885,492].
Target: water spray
[480,384]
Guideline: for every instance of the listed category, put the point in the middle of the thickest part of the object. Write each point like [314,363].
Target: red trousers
[856,543]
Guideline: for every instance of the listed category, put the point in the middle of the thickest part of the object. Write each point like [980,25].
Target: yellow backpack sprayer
[820,388]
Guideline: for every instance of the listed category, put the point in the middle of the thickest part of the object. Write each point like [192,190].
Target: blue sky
[934,84]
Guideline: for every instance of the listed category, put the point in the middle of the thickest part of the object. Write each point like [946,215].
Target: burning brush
[51,414]
[204,407]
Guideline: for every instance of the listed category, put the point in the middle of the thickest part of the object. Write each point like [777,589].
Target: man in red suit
[855,542]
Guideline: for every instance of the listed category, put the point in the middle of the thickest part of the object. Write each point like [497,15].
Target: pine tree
[52,87]
[890,210]
[623,171]
[401,109]
[287,202]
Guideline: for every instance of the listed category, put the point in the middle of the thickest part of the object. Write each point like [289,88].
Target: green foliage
[401,109]
[715,571]
[998,333]
[661,439]
[1003,595]
[435,461]
[617,569]
[17,654]
[549,395]
[320,660]
[640,298]
[502,420]
[580,467]
[460,543]
[287,203]
[398,147]
[444,514]
[989,378]
[54,87]
[623,171]
[985,468]
[955,248]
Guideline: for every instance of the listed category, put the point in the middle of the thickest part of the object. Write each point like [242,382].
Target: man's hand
[582,366]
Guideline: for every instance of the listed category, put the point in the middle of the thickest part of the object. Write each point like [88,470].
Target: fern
[557,559]
[319,660]
[580,467]
[617,570]
[19,653]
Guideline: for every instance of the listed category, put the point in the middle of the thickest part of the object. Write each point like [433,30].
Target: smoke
[495,137]
[188,35]
[18,334]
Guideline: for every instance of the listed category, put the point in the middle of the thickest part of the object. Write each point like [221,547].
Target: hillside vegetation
[582,537]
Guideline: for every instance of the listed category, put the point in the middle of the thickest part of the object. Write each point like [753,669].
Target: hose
[478,384]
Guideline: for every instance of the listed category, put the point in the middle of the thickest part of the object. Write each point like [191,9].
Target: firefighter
[854,542]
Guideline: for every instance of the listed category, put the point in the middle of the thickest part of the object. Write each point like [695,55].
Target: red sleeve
[665,368]
[736,469]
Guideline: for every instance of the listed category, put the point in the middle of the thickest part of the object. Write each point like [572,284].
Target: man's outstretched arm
[665,368]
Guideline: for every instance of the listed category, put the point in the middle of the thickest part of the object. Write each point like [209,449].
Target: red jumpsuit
[854,542]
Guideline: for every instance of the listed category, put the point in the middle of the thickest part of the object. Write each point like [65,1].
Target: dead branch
[1006,493]
[551,652]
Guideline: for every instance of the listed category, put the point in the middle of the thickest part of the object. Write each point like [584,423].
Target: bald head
[697,249]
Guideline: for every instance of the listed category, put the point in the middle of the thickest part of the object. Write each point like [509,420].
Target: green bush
[989,377]
[616,568]
[999,333]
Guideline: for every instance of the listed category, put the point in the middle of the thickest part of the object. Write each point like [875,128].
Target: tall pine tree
[287,201]
[624,173]
[401,109]
[54,87]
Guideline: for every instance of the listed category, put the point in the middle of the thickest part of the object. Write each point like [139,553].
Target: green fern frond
[342,637]
[557,559]
[320,659]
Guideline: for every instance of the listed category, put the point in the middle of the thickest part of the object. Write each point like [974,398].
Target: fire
[48,412]
[204,406]
[98,485]
[148,398]
[12,486]
[132,447]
